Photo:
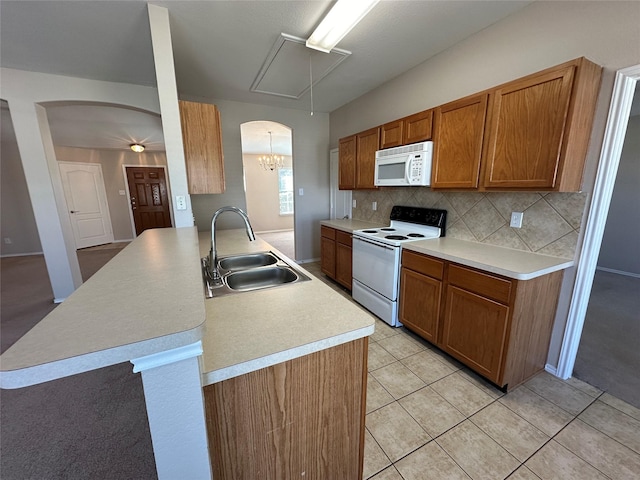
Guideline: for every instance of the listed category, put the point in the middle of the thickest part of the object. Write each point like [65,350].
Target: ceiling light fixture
[344,15]
[271,161]
[136,147]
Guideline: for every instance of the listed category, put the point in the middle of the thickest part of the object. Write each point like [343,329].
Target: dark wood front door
[149,198]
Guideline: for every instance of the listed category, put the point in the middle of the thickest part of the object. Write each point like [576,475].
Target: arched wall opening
[269,190]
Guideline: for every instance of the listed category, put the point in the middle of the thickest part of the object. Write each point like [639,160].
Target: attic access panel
[285,72]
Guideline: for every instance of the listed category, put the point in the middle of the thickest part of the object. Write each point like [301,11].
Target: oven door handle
[373,243]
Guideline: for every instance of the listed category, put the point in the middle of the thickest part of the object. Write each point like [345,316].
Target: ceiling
[220,48]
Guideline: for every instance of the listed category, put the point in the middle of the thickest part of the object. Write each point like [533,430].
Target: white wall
[16,215]
[26,93]
[262,194]
[541,35]
[621,240]
[114,181]
[310,138]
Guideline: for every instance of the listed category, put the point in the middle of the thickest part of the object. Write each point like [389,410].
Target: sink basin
[250,260]
[251,271]
[260,278]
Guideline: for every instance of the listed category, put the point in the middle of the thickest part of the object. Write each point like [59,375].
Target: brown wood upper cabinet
[202,140]
[535,135]
[458,142]
[412,129]
[347,163]
[356,159]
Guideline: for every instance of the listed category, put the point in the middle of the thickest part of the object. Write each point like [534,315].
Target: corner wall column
[175,408]
[43,183]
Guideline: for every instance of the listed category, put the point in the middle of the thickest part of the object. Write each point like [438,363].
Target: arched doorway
[269,189]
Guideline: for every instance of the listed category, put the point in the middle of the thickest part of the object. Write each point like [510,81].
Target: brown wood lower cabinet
[328,251]
[303,418]
[336,255]
[422,313]
[497,326]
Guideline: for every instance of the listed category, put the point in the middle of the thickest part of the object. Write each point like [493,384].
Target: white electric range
[376,257]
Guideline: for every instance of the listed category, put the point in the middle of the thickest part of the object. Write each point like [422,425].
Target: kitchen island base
[303,418]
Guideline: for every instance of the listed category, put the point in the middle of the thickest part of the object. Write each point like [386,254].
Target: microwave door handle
[407,168]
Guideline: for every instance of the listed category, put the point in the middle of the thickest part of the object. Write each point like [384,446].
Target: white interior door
[340,203]
[86,198]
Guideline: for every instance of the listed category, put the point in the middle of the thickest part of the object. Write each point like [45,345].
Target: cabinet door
[367,143]
[420,303]
[474,331]
[458,143]
[347,163]
[343,264]
[328,257]
[202,141]
[391,134]
[417,127]
[527,126]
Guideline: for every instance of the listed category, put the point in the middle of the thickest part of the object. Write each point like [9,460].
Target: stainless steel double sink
[249,272]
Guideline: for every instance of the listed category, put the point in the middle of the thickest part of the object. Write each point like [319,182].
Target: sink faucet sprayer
[214,274]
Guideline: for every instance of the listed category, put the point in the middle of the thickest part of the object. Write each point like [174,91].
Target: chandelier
[271,161]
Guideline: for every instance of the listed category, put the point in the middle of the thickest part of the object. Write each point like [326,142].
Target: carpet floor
[92,425]
[283,241]
[608,355]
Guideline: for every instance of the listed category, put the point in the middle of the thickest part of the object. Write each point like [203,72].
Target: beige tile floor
[429,417]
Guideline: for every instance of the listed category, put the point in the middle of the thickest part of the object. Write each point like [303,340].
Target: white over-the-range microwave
[409,165]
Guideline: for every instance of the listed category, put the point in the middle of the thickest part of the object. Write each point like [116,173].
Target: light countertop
[252,330]
[147,299]
[349,225]
[516,264]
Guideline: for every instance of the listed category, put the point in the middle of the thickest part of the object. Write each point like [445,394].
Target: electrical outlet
[374,206]
[516,219]
[354,203]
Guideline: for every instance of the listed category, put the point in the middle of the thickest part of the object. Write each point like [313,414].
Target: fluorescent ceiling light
[344,15]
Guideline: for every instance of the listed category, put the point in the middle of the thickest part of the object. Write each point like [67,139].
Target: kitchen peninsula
[147,306]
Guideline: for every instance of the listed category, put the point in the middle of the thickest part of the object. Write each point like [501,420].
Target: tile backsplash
[550,226]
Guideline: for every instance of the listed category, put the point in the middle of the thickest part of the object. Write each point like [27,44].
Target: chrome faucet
[213,271]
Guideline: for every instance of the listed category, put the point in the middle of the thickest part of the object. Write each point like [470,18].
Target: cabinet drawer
[496,288]
[343,237]
[423,264]
[327,232]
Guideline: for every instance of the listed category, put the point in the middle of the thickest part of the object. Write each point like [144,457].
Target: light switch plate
[354,203]
[516,219]
[181,202]
[374,206]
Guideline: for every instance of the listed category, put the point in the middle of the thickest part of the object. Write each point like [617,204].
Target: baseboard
[311,260]
[619,272]
[275,231]
[21,254]
[554,371]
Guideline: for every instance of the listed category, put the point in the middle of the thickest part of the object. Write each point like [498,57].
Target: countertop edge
[558,264]
[66,367]
[348,225]
[226,373]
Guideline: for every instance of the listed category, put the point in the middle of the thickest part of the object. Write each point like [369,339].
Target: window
[285,190]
